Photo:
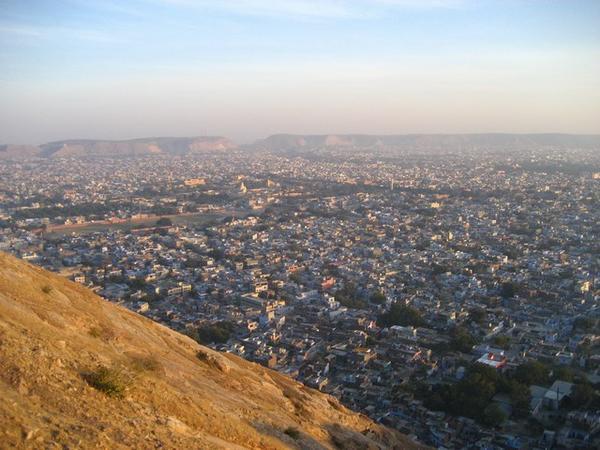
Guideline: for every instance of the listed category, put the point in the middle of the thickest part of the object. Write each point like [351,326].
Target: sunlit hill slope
[79,372]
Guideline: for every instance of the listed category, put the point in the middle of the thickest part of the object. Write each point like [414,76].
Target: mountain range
[426,142]
[132,147]
[283,143]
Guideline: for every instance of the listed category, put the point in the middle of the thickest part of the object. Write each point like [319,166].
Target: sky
[117,69]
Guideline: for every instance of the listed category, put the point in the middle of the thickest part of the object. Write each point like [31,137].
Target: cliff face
[137,147]
[79,372]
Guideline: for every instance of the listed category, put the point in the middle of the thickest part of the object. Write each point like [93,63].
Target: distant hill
[133,147]
[77,371]
[286,143]
[435,142]
[18,151]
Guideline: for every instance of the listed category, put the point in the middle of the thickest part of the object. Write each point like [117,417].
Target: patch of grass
[292,432]
[101,332]
[212,361]
[46,289]
[145,364]
[112,382]
[95,332]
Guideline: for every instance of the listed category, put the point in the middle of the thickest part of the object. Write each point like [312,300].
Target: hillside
[300,143]
[427,142]
[133,147]
[155,388]
[18,151]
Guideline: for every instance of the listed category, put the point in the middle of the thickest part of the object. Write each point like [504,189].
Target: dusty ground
[54,333]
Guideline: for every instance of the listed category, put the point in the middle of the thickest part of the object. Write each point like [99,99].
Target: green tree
[218,333]
[520,398]
[509,289]
[501,341]
[478,315]
[563,373]
[164,222]
[461,340]
[349,297]
[377,298]
[493,416]
[400,314]
[583,397]
[533,372]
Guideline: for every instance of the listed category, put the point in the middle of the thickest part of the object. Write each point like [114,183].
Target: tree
[461,340]
[164,222]
[509,289]
[137,284]
[493,415]
[218,332]
[585,324]
[478,315]
[520,398]
[582,397]
[400,314]
[563,373]
[217,254]
[371,341]
[349,297]
[378,298]
[295,277]
[533,372]
[502,341]
[472,396]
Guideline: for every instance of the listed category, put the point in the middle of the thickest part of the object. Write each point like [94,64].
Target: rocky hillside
[133,147]
[79,372]
[425,142]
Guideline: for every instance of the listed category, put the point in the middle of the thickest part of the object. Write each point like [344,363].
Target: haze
[249,68]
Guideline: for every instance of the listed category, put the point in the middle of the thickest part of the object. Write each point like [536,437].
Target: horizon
[254,141]
[251,142]
[246,69]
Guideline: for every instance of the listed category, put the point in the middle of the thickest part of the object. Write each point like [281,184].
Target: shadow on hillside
[347,439]
[341,437]
[303,440]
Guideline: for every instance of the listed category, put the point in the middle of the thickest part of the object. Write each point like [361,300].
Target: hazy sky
[248,68]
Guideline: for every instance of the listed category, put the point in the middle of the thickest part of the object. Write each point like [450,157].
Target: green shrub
[112,382]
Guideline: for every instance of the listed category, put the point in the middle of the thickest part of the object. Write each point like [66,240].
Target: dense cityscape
[454,296]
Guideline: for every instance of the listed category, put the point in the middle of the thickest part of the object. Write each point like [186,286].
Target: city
[453,297]
[300,224]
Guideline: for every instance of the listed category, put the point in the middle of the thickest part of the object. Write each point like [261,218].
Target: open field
[177,219]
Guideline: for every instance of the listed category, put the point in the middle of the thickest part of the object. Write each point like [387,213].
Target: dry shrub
[102,332]
[46,289]
[142,363]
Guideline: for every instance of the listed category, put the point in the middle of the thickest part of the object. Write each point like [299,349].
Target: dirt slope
[55,335]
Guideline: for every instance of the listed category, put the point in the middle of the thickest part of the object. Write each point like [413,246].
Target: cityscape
[300,225]
[453,296]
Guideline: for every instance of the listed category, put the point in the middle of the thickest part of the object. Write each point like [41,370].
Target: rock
[29,435]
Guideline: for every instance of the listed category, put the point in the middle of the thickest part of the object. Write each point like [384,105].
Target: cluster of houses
[302,278]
